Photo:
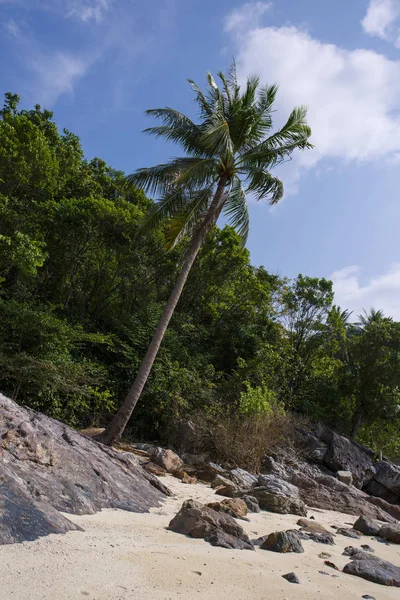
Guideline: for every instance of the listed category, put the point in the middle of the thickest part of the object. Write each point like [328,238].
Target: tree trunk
[357,422]
[116,427]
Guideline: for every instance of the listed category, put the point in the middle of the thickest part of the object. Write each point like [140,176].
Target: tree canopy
[82,288]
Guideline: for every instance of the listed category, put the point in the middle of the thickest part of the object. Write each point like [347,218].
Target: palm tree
[228,154]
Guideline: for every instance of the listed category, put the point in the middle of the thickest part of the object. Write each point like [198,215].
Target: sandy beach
[128,556]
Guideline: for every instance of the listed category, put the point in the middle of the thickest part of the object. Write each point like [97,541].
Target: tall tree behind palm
[228,154]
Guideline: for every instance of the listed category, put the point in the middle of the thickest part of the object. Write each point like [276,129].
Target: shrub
[243,440]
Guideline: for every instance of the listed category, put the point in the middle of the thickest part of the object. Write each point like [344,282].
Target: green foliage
[257,400]
[82,287]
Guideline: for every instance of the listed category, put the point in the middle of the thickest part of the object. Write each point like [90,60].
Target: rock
[312,447]
[372,568]
[230,490]
[368,597]
[343,455]
[271,466]
[387,507]
[167,459]
[236,507]
[225,540]
[188,479]
[278,496]
[324,555]
[350,550]
[316,532]
[220,480]
[47,468]
[388,475]
[244,479]
[331,565]
[367,526]
[251,503]
[375,488]
[328,493]
[151,467]
[219,529]
[391,533]
[351,533]
[202,470]
[291,577]
[312,526]
[282,541]
[345,477]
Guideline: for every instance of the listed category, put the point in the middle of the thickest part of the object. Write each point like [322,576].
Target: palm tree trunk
[116,427]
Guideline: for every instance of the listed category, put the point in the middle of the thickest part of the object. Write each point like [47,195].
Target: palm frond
[264,186]
[185,222]
[178,128]
[237,212]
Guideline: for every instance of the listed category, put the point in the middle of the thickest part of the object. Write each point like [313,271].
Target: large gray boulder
[343,455]
[367,526]
[278,496]
[373,569]
[388,475]
[47,468]
[219,529]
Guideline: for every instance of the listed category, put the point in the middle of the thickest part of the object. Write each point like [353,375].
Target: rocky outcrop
[319,490]
[244,479]
[282,541]
[275,495]
[343,455]
[47,467]
[370,567]
[219,529]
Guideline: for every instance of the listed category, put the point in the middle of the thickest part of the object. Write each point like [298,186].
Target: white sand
[127,556]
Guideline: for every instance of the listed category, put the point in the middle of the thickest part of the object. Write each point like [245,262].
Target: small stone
[291,577]
[367,548]
[348,532]
[331,565]
[368,597]
[324,555]
[323,573]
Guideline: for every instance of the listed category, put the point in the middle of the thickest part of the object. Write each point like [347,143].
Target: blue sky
[100,63]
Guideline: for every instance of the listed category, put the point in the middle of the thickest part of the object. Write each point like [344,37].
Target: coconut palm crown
[233,143]
[228,155]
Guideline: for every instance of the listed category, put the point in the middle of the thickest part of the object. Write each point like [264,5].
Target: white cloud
[381,292]
[48,74]
[247,15]
[353,96]
[88,10]
[56,74]
[380,19]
